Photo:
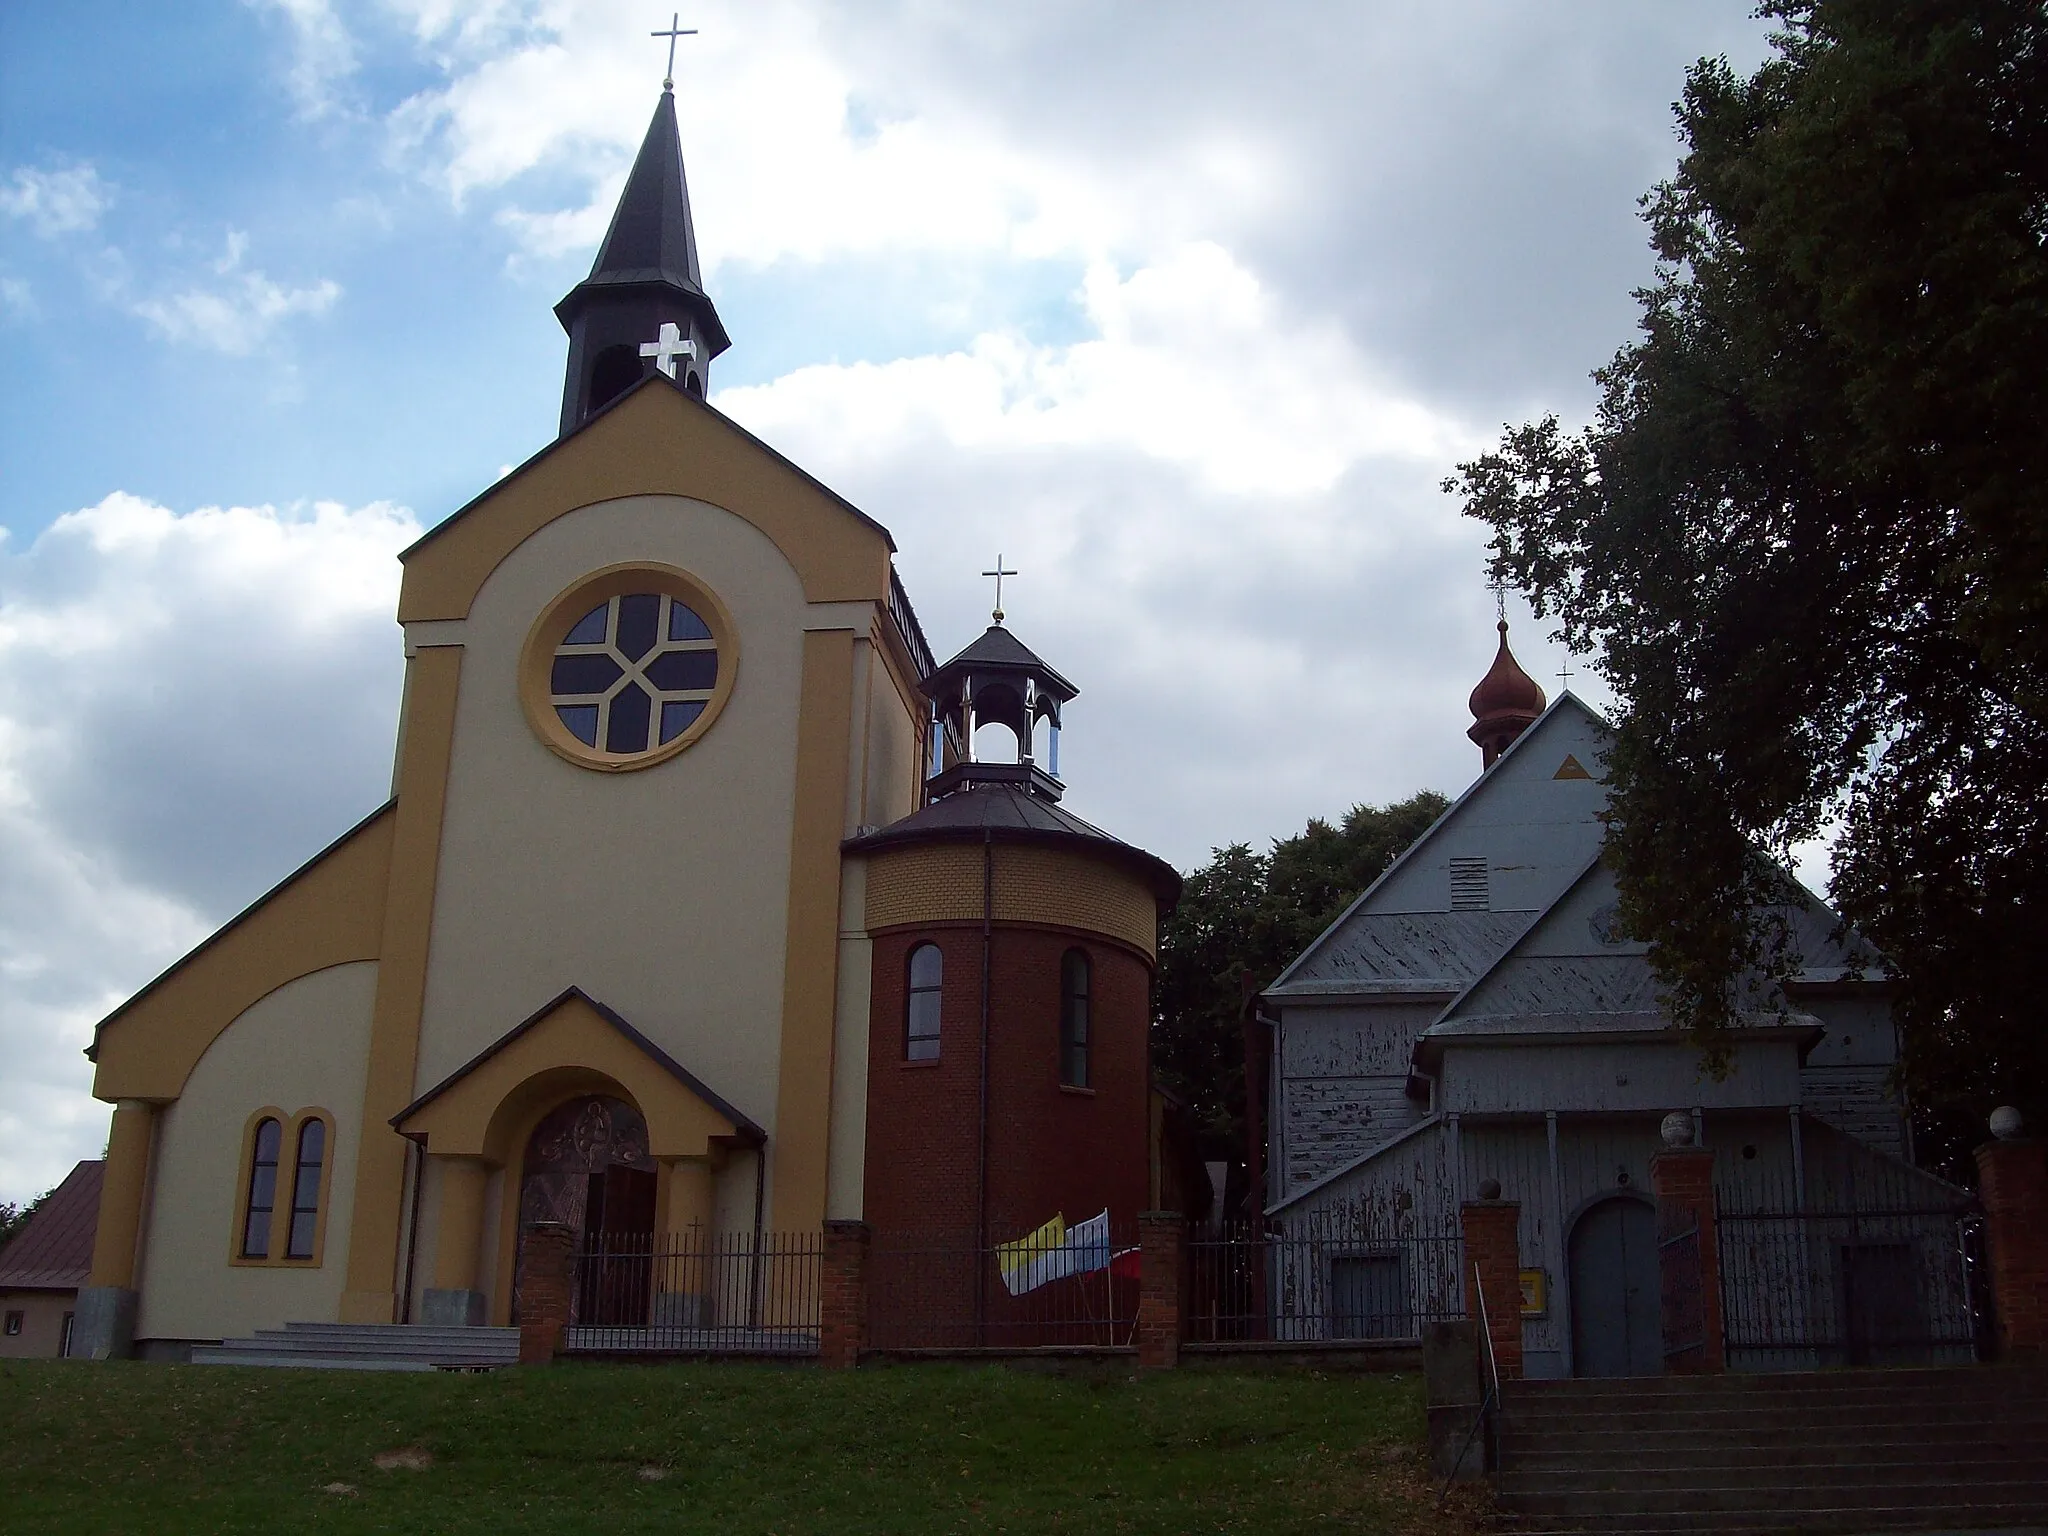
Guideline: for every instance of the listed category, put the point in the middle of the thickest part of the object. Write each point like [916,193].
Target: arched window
[614,371]
[306,1190]
[921,1009]
[262,1189]
[1074,1019]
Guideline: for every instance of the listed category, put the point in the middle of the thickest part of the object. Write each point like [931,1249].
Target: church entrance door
[587,1166]
[1617,1323]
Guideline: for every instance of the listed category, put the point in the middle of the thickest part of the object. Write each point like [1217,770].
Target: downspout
[760,1205]
[418,1156]
[988,904]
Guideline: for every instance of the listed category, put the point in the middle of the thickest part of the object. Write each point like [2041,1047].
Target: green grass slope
[738,1450]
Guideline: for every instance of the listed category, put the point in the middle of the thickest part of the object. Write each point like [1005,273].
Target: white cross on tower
[669,345]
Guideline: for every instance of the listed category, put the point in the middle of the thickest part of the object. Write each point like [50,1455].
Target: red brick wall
[1493,1248]
[1050,1149]
[2013,1184]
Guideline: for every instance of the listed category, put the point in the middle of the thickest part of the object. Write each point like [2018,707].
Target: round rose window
[633,673]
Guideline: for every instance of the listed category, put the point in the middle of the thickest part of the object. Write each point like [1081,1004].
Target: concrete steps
[367,1347]
[1867,1450]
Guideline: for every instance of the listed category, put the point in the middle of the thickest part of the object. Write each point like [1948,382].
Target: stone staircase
[1863,1450]
[367,1347]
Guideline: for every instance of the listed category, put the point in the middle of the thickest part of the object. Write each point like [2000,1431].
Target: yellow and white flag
[1053,1252]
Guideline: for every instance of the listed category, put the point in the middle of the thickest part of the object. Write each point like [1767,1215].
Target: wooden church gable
[654,440]
[1475,880]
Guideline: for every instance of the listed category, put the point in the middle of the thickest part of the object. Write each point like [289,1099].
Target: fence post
[1493,1246]
[843,1295]
[545,1272]
[2012,1182]
[1161,1238]
[1689,1274]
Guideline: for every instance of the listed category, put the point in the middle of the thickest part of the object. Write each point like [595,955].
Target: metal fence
[953,1291]
[1888,1270]
[1313,1283]
[695,1293]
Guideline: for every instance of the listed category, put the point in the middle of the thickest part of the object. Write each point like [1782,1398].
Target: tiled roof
[54,1251]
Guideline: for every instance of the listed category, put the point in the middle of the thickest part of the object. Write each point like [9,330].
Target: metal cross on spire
[999,573]
[1564,673]
[668,79]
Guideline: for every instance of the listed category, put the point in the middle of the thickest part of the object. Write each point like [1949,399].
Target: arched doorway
[1617,1322]
[587,1167]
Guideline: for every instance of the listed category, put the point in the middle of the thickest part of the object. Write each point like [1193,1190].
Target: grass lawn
[739,1450]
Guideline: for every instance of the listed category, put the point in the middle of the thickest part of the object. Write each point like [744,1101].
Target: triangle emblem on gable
[1571,768]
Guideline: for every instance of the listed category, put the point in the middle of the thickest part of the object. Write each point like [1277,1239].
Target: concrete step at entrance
[1624,1455]
[2015,1521]
[1790,1502]
[368,1346]
[1832,1451]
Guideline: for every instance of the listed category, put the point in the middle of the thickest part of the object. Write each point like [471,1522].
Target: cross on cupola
[999,573]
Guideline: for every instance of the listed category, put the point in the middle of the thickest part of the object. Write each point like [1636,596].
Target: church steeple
[646,279]
[1505,704]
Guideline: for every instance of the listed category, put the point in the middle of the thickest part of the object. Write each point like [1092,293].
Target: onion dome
[1505,704]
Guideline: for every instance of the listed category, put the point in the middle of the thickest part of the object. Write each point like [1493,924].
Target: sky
[1185,311]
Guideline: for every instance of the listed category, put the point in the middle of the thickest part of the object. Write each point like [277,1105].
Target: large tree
[1807,532]
[1245,913]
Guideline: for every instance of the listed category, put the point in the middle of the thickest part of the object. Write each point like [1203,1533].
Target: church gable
[1471,884]
[328,912]
[654,440]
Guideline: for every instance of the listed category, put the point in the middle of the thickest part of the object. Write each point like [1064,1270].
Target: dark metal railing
[942,1290]
[695,1293]
[1887,1281]
[905,618]
[1256,1281]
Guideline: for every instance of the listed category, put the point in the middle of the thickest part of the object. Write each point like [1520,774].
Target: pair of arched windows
[282,1201]
[927,973]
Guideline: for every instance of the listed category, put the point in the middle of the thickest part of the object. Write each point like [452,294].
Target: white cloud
[190,705]
[239,314]
[55,202]
[323,54]
[1193,363]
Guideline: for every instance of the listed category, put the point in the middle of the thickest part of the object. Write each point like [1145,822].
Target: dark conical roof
[998,649]
[1008,814]
[653,239]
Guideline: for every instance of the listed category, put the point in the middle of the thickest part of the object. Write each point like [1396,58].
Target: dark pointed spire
[646,274]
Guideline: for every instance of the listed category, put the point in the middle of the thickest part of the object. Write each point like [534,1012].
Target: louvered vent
[1468,885]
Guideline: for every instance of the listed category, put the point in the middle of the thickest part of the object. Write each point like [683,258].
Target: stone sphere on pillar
[1676,1129]
[1489,1189]
[2007,1123]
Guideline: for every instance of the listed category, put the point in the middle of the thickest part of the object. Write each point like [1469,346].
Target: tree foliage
[1806,532]
[14,1217]
[1247,912]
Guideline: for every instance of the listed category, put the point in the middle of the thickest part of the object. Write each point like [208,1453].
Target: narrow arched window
[306,1190]
[262,1189]
[921,1007]
[1074,1019]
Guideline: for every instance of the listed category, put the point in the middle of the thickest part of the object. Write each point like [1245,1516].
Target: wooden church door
[1617,1321]
[587,1166]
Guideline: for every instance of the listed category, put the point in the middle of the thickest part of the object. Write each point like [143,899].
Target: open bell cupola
[997,680]
[643,307]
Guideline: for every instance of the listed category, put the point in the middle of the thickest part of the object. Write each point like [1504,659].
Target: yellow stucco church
[658,682]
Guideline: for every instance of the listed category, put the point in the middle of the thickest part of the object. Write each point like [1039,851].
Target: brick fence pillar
[843,1296]
[2012,1182]
[1161,1238]
[545,1277]
[1493,1248]
[1688,1268]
